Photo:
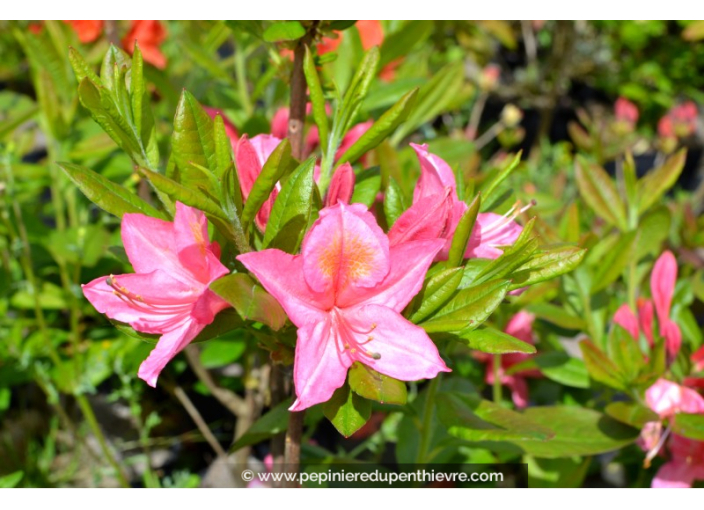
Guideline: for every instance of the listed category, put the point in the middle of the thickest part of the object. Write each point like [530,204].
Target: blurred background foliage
[72,411]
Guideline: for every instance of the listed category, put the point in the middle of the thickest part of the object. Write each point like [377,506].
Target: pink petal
[625,318]
[519,391]
[319,367]
[169,345]
[281,275]
[675,474]
[264,145]
[662,284]
[230,129]
[667,398]
[149,243]
[409,264]
[345,248]
[406,352]
[248,165]
[279,124]
[645,318]
[341,186]
[151,303]
[491,231]
[698,359]
[208,306]
[193,245]
[650,436]
[428,218]
[521,326]
[435,175]
[673,338]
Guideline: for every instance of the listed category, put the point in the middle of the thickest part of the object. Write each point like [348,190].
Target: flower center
[347,337]
[137,302]
[501,223]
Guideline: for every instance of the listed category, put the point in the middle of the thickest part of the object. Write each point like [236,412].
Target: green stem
[497,389]
[241,77]
[95,427]
[427,428]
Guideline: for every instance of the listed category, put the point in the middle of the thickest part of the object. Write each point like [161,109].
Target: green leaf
[547,264]
[317,98]
[292,210]
[600,367]
[631,413]
[401,42]
[491,186]
[654,228]
[393,202]
[558,367]
[101,105]
[469,308]
[495,342]
[462,233]
[471,418]
[113,62]
[368,383]
[81,68]
[193,143]
[12,480]
[557,473]
[273,170]
[616,260]
[689,425]
[653,186]
[250,300]
[219,353]
[578,431]
[435,292]
[624,352]
[367,187]
[284,31]
[274,422]
[347,411]
[433,98]
[383,127]
[107,195]
[557,315]
[600,193]
[183,194]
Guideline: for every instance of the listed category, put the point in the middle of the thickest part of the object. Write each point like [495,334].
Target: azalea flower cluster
[344,291]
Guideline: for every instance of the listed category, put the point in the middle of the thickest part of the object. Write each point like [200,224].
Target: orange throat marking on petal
[346,258]
[198,236]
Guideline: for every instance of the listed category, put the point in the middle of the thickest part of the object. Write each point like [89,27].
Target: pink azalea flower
[662,288]
[521,327]
[626,112]
[437,185]
[168,294]
[341,186]
[344,293]
[686,464]
[680,121]
[250,156]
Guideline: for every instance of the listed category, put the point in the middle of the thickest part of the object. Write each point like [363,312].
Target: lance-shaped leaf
[689,425]
[274,422]
[317,98]
[578,431]
[494,341]
[370,384]
[492,185]
[462,233]
[357,90]
[367,187]
[600,367]
[101,105]
[631,413]
[616,260]
[556,366]
[469,308]
[435,292]
[513,258]
[291,212]
[600,193]
[107,195]
[546,265]
[471,418]
[183,194]
[193,142]
[81,68]
[113,62]
[654,185]
[624,352]
[250,300]
[284,31]
[382,128]
[347,411]
[274,169]
[402,41]
[394,204]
